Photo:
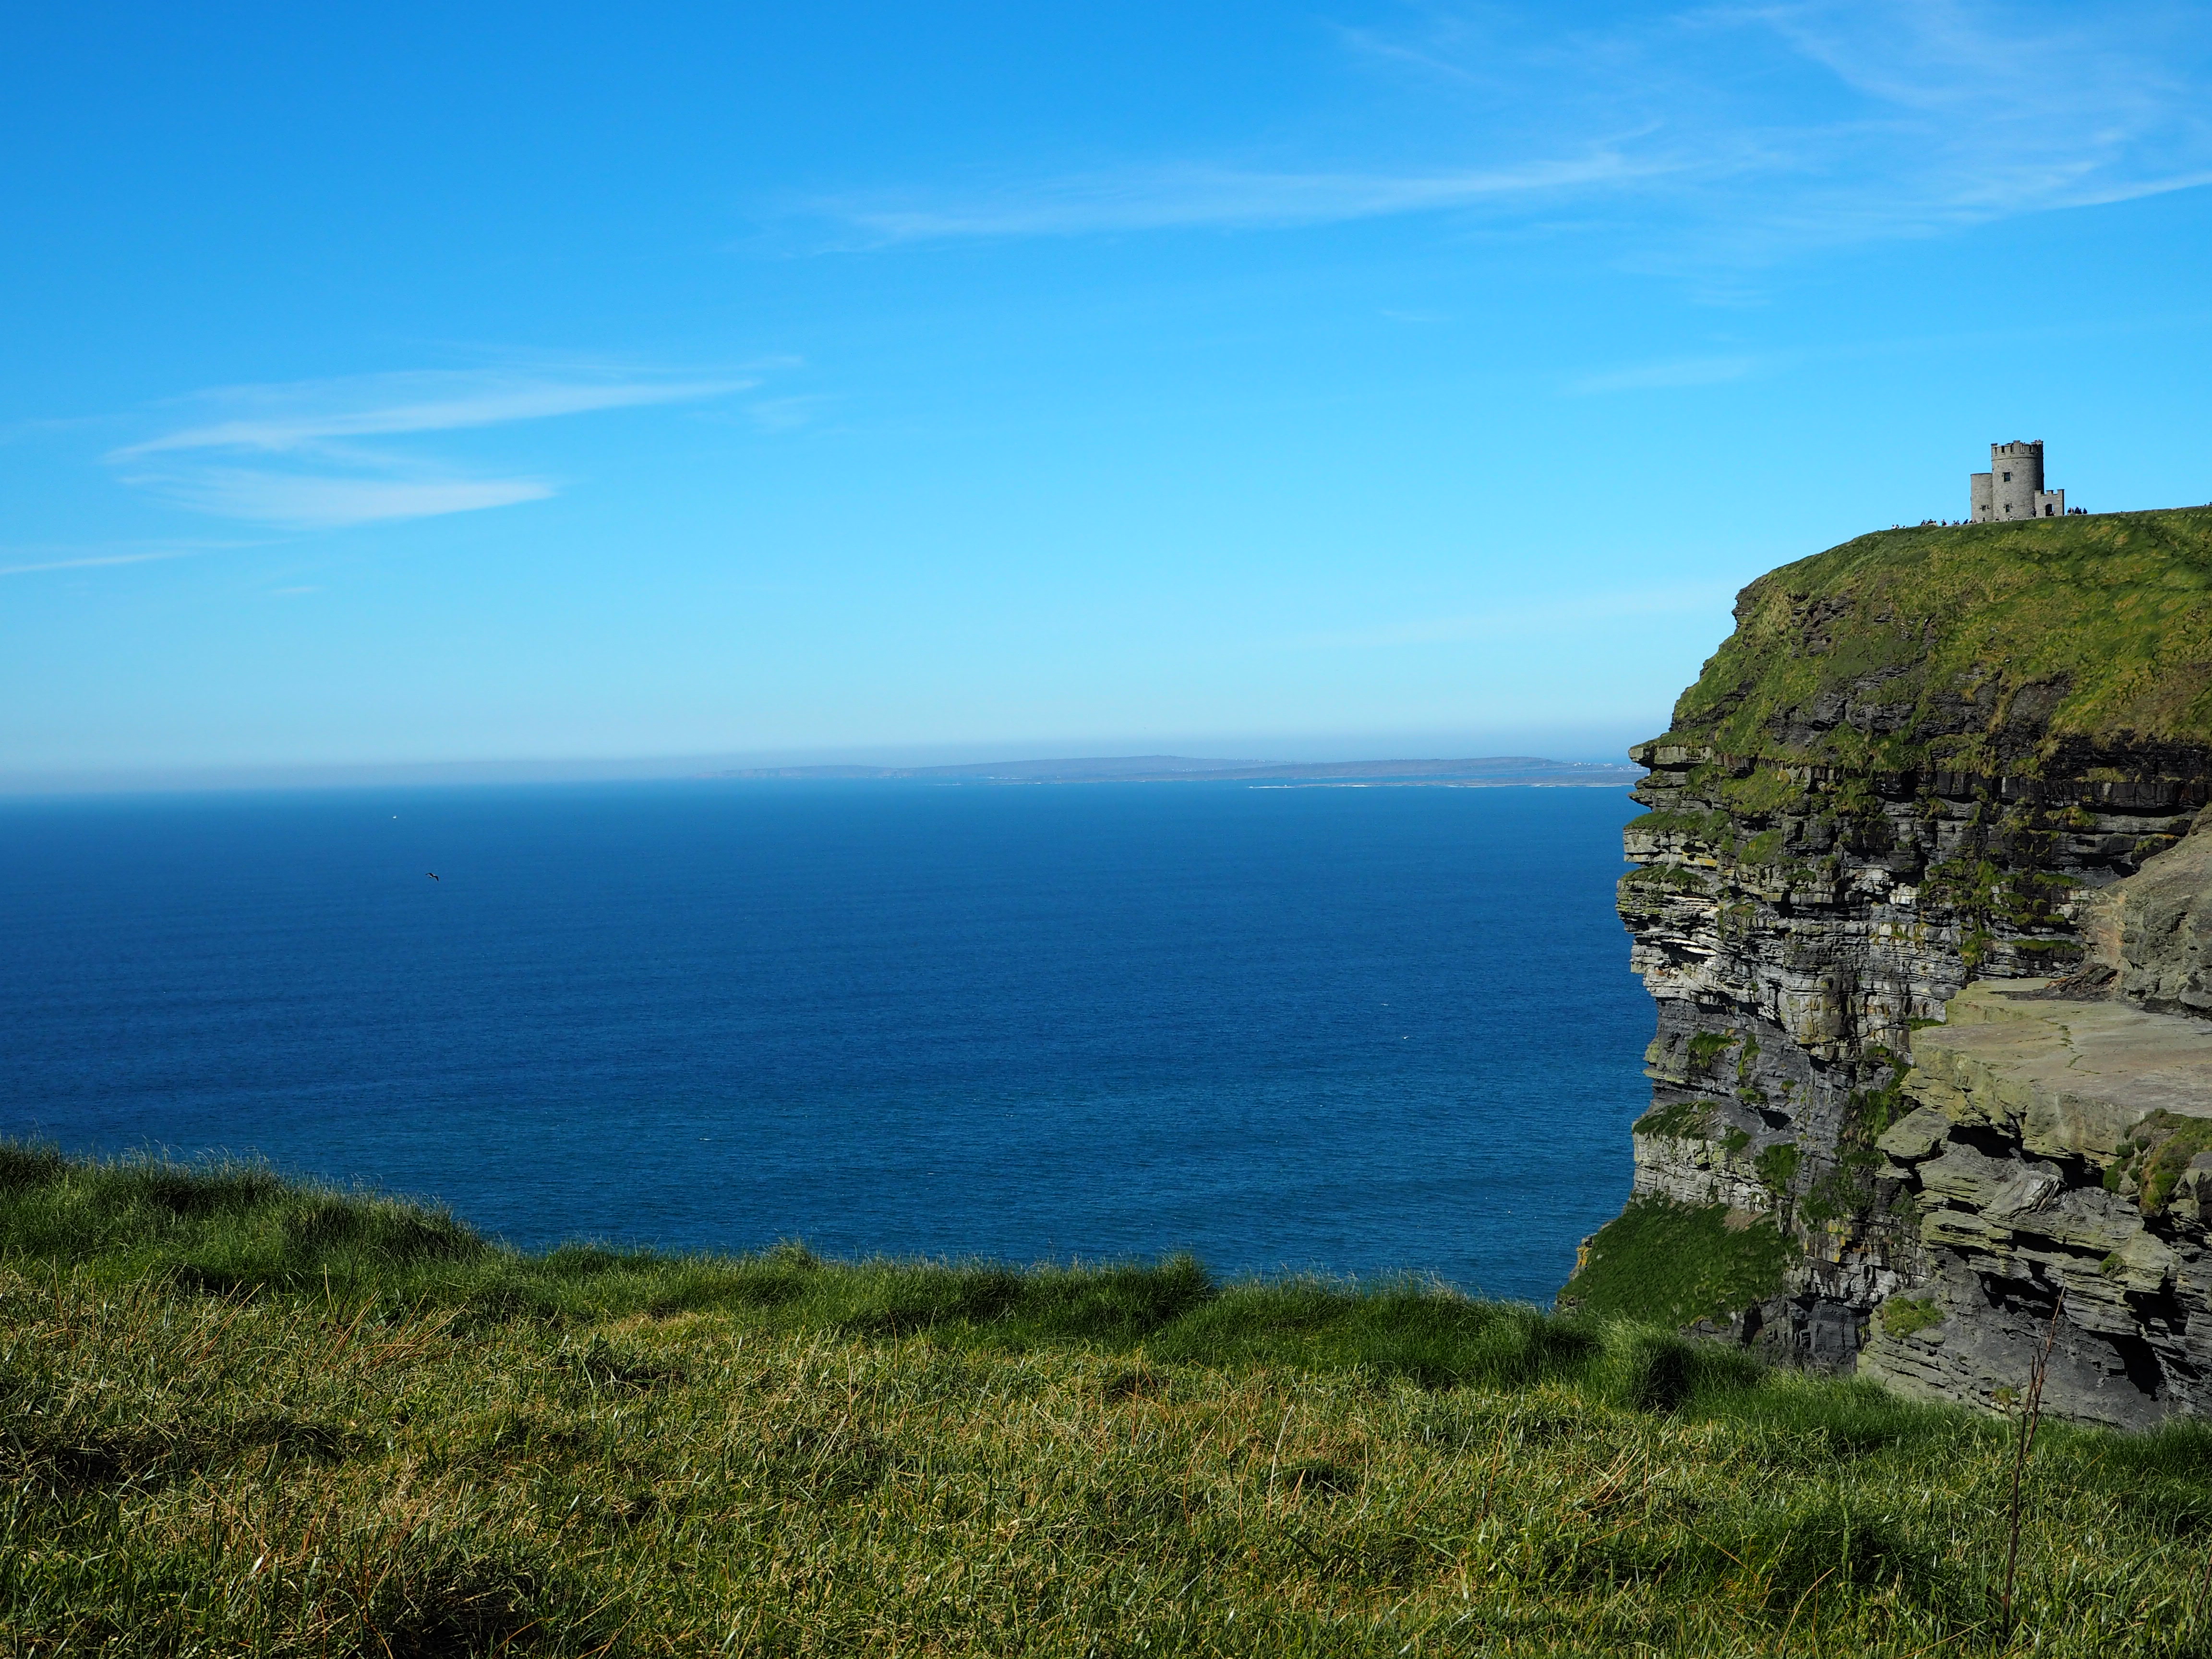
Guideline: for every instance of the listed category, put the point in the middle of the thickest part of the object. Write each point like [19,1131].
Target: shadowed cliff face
[1922,759]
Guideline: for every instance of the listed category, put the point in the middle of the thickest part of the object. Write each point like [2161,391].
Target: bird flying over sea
[433,874]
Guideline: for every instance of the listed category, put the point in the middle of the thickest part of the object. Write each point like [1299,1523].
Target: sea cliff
[1928,766]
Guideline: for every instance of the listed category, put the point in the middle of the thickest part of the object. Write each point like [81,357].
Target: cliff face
[1923,759]
[2057,1145]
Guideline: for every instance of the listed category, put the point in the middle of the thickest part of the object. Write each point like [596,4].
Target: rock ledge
[2053,1145]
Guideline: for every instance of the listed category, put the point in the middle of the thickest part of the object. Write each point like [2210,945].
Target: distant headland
[1491,771]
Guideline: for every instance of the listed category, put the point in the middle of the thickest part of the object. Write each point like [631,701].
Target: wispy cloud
[1718,134]
[290,455]
[34,560]
[311,500]
[1229,197]
[1945,113]
[307,415]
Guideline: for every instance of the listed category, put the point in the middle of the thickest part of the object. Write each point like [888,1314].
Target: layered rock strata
[2059,1157]
[1923,760]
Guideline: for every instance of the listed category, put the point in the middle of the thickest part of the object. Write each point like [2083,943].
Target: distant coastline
[1490,771]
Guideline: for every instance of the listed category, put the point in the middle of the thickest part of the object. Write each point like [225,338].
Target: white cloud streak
[1714,135]
[1232,198]
[85,564]
[288,455]
[305,415]
[112,553]
[1950,112]
[307,500]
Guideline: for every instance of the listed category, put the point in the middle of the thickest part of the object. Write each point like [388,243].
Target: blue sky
[411,384]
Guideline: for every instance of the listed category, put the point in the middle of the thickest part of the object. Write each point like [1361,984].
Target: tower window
[2007,477]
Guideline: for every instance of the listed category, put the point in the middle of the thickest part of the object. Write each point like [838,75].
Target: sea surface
[1356,1031]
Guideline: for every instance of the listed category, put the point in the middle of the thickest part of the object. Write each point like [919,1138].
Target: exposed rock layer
[2055,1148]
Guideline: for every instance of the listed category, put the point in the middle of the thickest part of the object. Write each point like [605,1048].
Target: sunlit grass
[244,1417]
[2113,612]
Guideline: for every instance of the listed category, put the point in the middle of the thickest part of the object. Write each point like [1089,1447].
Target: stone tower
[2013,487]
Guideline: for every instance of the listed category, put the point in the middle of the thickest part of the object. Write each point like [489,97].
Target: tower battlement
[2013,487]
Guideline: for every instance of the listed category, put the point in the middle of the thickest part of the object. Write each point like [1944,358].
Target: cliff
[1923,759]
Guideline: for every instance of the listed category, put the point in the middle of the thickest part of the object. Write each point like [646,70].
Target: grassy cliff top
[239,1416]
[1972,648]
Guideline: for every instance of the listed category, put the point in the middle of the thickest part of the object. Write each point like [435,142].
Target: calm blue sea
[1352,1029]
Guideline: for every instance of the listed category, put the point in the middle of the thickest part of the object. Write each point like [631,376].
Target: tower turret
[2013,487]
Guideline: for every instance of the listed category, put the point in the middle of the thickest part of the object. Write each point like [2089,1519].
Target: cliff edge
[1928,760]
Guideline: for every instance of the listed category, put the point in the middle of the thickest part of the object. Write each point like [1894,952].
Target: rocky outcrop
[2060,1137]
[2154,931]
[1923,762]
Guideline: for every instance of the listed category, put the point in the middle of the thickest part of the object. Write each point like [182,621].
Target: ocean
[1357,1031]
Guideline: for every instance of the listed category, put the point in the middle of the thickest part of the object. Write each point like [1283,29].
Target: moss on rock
[1902,1315]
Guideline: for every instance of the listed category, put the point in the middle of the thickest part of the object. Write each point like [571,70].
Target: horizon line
[885,762]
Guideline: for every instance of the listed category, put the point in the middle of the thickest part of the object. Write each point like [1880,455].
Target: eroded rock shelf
[2036,1159]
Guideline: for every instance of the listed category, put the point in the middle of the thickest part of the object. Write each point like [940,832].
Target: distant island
[1492,771]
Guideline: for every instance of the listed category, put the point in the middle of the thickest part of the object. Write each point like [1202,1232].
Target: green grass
[2112,612]
[1668,878]
[1671,1264]
[2157,1155]
[1705,1046]
[1902,1315]
[1777,1166]
[243,1416]
[1679,1120]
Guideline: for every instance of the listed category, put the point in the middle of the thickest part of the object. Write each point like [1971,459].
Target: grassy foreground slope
[239,1416]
